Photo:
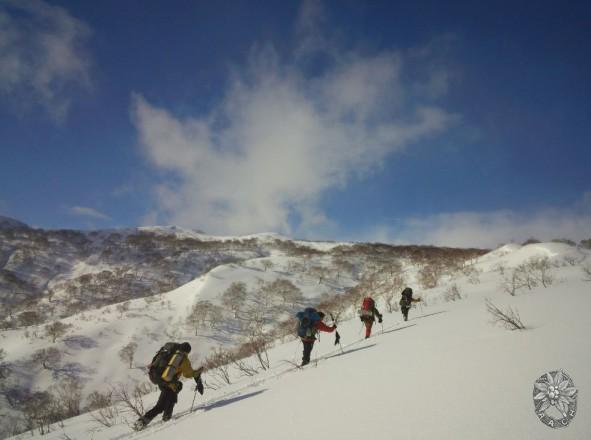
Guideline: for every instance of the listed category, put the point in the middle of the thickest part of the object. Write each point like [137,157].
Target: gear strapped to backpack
[366,310]
[164,364]
[307,320]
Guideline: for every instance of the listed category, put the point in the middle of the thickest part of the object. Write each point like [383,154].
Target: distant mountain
[58,273]
[10,223]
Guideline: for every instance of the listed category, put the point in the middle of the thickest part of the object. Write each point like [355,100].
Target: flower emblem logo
[555,399]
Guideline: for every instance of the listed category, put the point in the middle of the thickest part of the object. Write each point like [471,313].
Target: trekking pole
[194,395]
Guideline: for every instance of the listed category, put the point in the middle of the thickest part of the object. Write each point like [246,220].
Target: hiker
[368,313]
[406,301]
[167,365]
[310,322]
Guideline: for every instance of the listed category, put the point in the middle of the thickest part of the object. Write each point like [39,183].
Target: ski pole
[194,395]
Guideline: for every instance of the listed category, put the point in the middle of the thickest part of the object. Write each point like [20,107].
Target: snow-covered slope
[447,373]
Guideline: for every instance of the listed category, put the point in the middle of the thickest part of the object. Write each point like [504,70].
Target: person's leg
[307,352]
[368,325]
[160,405]
[171,400]
[405,313]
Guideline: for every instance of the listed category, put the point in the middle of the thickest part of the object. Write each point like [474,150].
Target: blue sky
[406,122]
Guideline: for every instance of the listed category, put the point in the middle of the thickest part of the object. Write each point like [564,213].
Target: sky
[399,122]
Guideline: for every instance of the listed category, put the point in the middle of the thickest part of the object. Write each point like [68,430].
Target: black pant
[165,404]
[308,345]
[405,312]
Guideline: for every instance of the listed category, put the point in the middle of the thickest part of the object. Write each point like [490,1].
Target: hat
[186,347]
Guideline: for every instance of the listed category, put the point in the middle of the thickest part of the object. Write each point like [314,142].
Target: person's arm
[187,370]
[325,328]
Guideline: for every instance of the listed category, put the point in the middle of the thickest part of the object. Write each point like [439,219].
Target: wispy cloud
[42,56]
[489,229]
[84,211]
[263,157]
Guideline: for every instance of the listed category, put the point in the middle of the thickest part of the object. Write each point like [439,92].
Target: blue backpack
[307,319]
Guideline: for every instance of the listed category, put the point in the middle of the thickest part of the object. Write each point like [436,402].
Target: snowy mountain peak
[10,223]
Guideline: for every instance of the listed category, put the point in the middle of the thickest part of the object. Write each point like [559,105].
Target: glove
[334,326]
[199,386]
[176,386]
[380,319]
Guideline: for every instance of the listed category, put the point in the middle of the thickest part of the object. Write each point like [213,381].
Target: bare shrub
[452,293]
[267,264]
[131,400]
[587,272]
[101,408]
[123,307]
[256,345]
[531,240]
[245,368]
[127,353]
[540,269]
[218,364]
[509,318]
[49,358]
[428,276]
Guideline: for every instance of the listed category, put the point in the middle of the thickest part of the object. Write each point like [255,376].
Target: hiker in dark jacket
[368,314]
[309,339]
[178,364]
[406,301]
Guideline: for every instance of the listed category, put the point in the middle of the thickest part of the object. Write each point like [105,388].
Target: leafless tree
[204,313]
[127,353]
[234,297]
[509,318]
[29,318]
[56,330]
[4,370]
[452,293]
[49,358]
[69,396]
[289,292]
[428,276]
[267,264]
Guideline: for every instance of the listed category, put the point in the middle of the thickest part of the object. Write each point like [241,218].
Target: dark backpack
[406,298]
[307,322]
[161,361]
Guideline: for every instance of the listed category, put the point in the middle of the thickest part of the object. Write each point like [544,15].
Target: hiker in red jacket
[310,324]
[368,313]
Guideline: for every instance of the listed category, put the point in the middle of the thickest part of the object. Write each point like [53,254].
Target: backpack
[307,320]
[367,307]
[165,363]
[406,297]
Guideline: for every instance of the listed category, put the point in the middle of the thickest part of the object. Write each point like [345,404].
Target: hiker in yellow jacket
[168,365]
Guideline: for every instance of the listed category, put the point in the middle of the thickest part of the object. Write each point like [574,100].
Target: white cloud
[84,211]
[487,229]
[42,55]
[263,157]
